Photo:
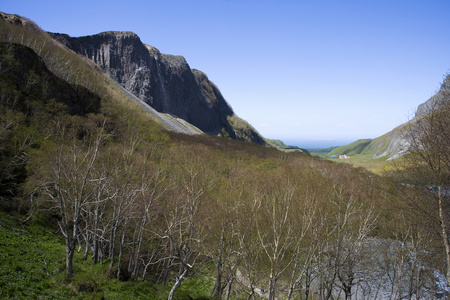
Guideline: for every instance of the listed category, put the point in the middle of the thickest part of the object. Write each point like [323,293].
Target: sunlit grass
[367,161]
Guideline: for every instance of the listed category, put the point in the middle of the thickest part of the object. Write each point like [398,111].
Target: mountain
[164,82]
[99,201]
[395,143]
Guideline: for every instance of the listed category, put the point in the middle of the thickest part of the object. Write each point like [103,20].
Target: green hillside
[367,153]
[99,201]
[277,143]
[282,146]
[387,145]
[358,147]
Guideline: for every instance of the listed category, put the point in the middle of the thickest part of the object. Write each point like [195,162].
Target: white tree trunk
[177,284]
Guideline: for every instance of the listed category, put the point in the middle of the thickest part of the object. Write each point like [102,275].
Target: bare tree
[151,188]
[310,225]
[185,221]
[354,246]
[223,236]
[426,168]
[71,184]
[275,228]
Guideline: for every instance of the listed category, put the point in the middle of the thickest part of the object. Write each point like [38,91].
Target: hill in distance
[395,143]
[98,200]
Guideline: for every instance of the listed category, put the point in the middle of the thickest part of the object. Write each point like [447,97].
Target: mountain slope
[395,143]
[354,148]
[165,82]
[77,69]
[30,93]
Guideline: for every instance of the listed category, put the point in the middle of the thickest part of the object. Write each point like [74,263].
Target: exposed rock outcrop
[165,82]
[436,100]
[393,144]
[17,20]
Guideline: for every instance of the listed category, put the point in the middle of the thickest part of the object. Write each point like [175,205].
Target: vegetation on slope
[354,148]
[114,206]
[389,146]
[33,268]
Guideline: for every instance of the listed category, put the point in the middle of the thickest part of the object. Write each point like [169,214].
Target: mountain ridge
[163,81]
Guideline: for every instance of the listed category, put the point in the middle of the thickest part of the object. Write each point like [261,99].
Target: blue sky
[299,71]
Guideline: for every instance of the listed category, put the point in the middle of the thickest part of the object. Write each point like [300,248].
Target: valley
[126,174]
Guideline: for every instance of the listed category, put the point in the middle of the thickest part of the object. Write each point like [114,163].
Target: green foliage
[243,131]
[28,253]
[362,154]
[159,205]
[277,143]
[282,146]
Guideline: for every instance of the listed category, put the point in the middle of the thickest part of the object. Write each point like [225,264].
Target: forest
[144,205]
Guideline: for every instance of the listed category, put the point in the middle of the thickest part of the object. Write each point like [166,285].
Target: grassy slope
[366,161]
[28,252]
[358,147]
[277,143]
[283,147]
[361,154]
[370,146]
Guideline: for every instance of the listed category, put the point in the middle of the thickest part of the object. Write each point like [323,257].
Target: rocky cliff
[165,82]
[436,101]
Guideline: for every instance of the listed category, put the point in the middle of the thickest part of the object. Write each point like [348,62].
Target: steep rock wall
[437,100]
[165,82]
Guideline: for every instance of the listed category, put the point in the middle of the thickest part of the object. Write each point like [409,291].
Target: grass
[27,254]
[280,145]
[318,153]
[366,161]
[32,266]
[243,130]
[354,148]
[361,154]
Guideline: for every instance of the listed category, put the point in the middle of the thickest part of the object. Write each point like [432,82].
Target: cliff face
[436,101]
[165,82]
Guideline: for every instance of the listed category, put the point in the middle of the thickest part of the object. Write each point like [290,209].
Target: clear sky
[296,70]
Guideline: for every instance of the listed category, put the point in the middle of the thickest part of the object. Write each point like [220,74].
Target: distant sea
[317,144]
